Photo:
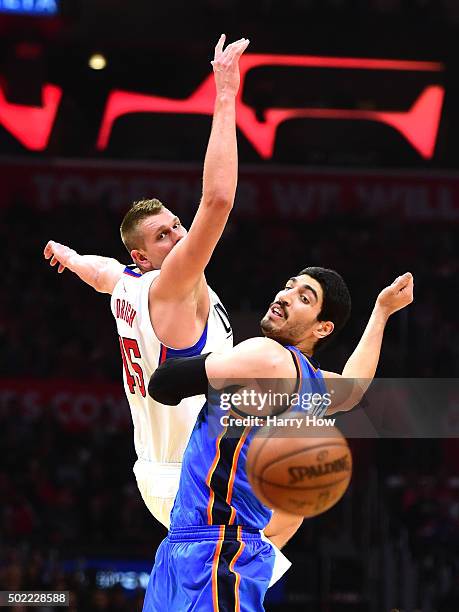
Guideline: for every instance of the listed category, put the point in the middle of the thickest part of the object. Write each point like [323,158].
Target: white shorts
[281,563]
[158,484]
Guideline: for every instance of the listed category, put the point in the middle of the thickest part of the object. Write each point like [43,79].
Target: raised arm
[361,366]
[182,270]
[252,359]
[101,273]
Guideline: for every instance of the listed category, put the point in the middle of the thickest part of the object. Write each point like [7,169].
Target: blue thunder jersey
[214,489]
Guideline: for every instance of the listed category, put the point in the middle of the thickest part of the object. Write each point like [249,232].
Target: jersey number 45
[129,351]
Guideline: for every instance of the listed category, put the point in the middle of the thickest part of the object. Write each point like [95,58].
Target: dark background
[70,514]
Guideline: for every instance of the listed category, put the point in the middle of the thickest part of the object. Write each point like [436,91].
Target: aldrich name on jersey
[125,311]
[161,433]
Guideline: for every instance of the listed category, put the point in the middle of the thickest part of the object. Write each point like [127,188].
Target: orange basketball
[304,475]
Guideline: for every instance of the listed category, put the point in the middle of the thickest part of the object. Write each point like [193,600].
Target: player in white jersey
[166,302]
[160,433]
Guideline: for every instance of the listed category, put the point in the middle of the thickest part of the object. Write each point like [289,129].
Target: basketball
[304,475]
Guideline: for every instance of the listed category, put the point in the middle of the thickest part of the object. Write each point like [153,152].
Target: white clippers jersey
[161,432]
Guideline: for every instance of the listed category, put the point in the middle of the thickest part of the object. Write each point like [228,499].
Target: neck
[306,347]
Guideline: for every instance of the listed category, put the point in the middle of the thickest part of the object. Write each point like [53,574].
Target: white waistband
[157,479]
[166,466]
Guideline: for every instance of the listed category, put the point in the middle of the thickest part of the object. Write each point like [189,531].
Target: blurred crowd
[55,326]
[31,570]
[437,9]
[73,495]
[69,497]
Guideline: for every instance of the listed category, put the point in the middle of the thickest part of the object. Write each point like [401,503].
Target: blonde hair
[138,212]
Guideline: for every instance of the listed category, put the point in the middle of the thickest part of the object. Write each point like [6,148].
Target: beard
[270,330]
[286,334]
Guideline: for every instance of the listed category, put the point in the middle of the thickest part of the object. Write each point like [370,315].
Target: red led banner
[418,125]
[32,125]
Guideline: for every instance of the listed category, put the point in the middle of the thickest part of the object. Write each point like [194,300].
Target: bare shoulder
[268,352]
[108,274]
[254,358]
[178,321]
[260,344]
[327,374]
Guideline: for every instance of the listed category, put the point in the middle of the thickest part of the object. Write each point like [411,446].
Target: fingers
[233,50]
[219,45]
[397,295]
[48,250]
[50,253]
[407,276]
[242,47]
[228,55]
[404,286]
[403,280]
[237,50]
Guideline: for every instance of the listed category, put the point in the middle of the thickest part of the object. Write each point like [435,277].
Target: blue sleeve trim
[312,380]
[191,351]
[130,272]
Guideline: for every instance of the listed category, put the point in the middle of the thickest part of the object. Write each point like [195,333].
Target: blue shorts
[214,568]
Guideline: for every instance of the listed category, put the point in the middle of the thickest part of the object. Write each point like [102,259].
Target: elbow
[358,394]
[106,276]
[219,201]
[160,388]
[354,399]
[280,534]
[97,282]
[348,396]
[360,389]
[154,387]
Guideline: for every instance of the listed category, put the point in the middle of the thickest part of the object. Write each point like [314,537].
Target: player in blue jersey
[214,557]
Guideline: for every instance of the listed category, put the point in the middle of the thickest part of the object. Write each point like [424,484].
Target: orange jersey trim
[209,477]
[310,363]
[237,452]
[218,550]
[237,606]
[298,363]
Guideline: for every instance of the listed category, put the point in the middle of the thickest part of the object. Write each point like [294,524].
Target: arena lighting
[97,61]
[419,125]
[30,7]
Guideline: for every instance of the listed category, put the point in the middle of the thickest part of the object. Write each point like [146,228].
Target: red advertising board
[284,193]
[75,406]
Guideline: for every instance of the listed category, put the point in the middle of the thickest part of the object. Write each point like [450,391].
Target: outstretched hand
[226,65]
[398,295]
[59,254]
